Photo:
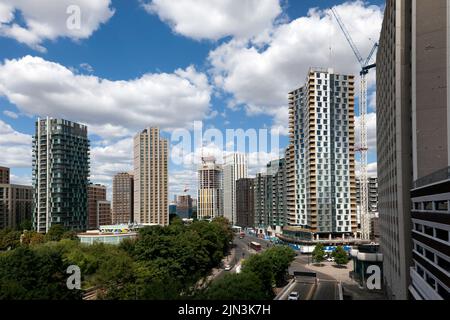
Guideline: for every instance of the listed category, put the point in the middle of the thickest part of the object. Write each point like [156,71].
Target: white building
[210,189]
[235,168]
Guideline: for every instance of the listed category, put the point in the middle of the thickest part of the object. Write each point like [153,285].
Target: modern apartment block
[245,203]
[260,194]
[4,175]
[99,210]
[322,121]
[60,174]
[276,205]
[184,207]
[151,178]
[16,205]
[235,167]
[123,198]
[210,189]
[365,227]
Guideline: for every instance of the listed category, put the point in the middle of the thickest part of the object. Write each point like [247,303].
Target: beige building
[16,203]
[210,190]
[123,198]
[99,210]
[4,175]
[151,178]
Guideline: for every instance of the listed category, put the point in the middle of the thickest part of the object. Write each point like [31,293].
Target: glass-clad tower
[60,174]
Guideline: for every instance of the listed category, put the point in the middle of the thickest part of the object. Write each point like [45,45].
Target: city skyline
[224,104]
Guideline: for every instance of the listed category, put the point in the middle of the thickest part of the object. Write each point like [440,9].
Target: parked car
[294,296]
[330,259]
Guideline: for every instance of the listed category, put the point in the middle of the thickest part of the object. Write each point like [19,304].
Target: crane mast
[363,148]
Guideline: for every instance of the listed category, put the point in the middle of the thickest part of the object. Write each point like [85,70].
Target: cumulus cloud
[259,75]
[42,88]
[11,114]
[15,147]
[216,19]
[48,19]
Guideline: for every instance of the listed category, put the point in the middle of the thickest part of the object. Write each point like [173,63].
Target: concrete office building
[245,203]
[123,198]
[99,210]
[430,78]
[16,205]
[322,125]
[4,175]
[151,178]
[235,167]
[372,207]
[210,189]
[60,174]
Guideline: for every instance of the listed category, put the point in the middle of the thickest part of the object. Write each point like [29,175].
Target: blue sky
[229,65]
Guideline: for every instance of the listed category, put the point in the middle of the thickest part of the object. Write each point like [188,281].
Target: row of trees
[260,274]
[163,263]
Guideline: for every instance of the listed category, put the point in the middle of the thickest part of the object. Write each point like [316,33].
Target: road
[241,251]
[324,288]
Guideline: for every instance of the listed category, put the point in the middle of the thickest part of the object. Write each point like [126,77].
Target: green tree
[340,256]
[233,287]
[281,258]
[318,254]
[261,266]
[9,239]
[25,225]
[32,238]
[55,233]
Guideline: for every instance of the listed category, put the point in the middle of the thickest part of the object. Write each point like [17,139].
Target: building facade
[16,205]
[235,167]
[322,121]
[151,205]
[276,205]
[60,175]
[430,194]
[123,198]
[394,132]
[4,175]
[245,203]
[184,207]
[365,227]
[210,189]
[99,210]
[260,195]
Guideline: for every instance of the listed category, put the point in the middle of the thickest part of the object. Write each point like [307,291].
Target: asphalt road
[326,287]
[242,251]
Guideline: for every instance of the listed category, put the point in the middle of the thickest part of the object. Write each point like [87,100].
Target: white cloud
[47,20]
[11,114]
[216,19]
[15,147]
[24,180]
[42,88]
[259,76]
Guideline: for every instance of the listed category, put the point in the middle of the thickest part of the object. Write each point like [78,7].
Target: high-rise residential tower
[245,200]
[210,189]
[123,198]
[184,207]
[235,167]
[60,174]
[322,121]
[394,149]
[151,178]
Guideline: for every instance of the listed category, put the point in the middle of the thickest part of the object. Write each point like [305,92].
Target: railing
[441,175]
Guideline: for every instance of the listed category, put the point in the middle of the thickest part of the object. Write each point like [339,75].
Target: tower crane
[363,148]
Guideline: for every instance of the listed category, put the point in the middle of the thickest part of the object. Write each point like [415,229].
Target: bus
[255,246]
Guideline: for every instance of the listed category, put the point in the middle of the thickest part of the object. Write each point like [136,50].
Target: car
[294,296]
[228,267]
[330,259]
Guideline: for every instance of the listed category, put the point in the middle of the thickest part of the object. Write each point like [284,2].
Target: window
[418,227]
[429,230]
[429,255]
[430,281]
[442,234]
[428,205]
[441,205]
[444,264]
